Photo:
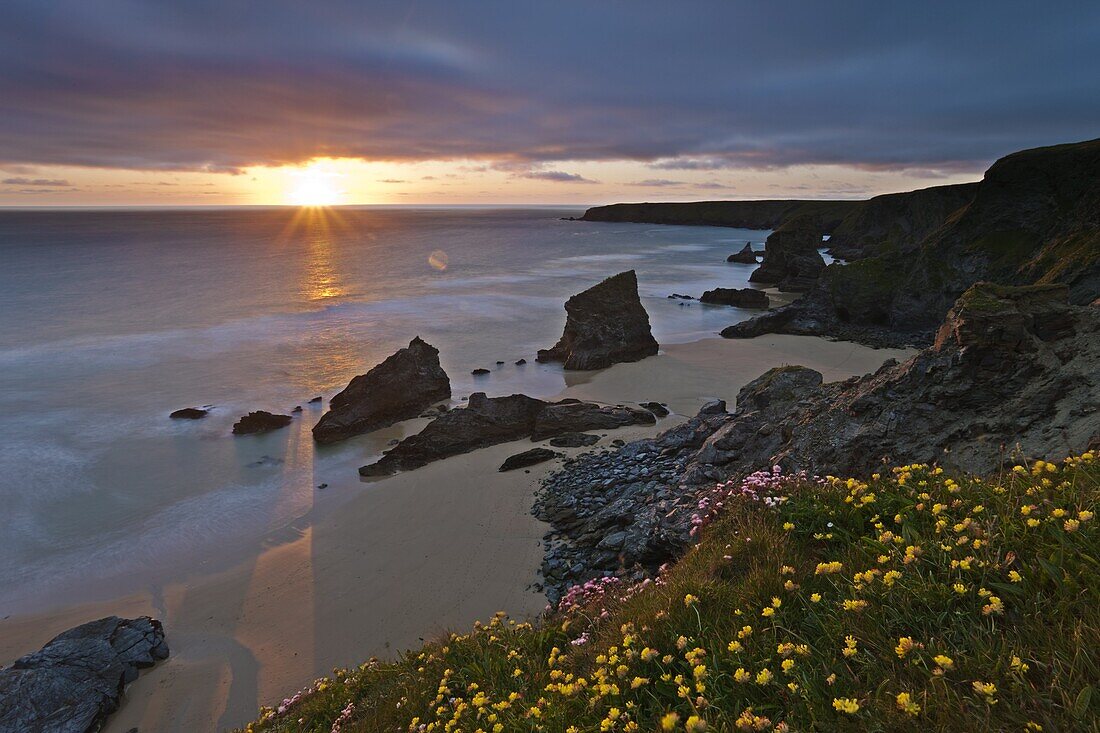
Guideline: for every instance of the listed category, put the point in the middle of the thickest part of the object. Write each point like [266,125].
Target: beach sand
[376,567]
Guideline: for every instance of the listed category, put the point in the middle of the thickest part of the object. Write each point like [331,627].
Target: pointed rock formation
[399,388]
[605,324]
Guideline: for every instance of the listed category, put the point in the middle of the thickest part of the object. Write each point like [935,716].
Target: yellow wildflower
[845,705]
[906,704]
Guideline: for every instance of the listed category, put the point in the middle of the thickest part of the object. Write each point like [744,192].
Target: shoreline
[404,558]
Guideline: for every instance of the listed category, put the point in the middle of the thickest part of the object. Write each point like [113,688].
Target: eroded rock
[260,421]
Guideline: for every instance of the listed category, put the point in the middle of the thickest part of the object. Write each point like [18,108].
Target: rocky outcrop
[791,258]
[260,421]
[769,214]
[488,421]
[1013,372]
[736,297]
[189,413]
[747,255]
[400,388]
[1034,218]
[605,324]
[575,417]
[527,458]
[74,682]
[897,222]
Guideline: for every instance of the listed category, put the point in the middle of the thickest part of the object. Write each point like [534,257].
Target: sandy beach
[375,567]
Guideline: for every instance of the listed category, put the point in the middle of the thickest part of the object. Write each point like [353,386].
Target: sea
[112,319]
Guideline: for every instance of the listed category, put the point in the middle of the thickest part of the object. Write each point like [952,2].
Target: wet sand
[376,567]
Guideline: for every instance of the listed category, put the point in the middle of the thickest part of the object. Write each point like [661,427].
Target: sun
[314,185]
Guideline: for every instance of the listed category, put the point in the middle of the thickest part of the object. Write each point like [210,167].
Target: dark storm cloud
[559,176]
[688,85]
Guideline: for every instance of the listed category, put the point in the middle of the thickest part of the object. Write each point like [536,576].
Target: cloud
[392,180]
[222,86]
[656,182]
[559,176]
[48,182]
[711,185]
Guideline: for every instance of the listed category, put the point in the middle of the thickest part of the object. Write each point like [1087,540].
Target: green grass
[975,600]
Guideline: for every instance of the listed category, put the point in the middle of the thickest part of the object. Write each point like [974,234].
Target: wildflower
[647,654]
[786,570]
[764,676]
[1014,576]
[1018,665]
[669,721]
[768,612]
[788,526]
[1085,515]
[787,665]
[734,647]
[987,690]
[995,606]
[690,600]
[849,649]
[890,578]
[906,704]
[905,645]
[741,675]
[944,661]
[638,682]
[744,632]
[959,588]
[828,568]
[845,705]
[1071,525]
[815,598]
[854,606]
[695,724]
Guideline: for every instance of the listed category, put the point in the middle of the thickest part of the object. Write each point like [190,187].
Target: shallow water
[109,320]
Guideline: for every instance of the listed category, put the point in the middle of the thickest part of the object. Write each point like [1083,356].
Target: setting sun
[314,185]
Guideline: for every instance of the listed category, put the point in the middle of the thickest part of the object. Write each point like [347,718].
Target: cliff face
[897,221]
[738,214]
[1034,218]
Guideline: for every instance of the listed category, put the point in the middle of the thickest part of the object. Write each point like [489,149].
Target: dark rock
[484,421]
[322,486]
[521,362]
[260,421]
[315,400]
[575,417]
[189,413]
[1033,219]
[605,324]
[297,408]
[738,298]
[746,256]
[791,258]
[527,458]
[656,408]
[574,440]
[480,372]
[397,389]
[738,214]
[680,296]
[499,363]
[714,407]
[74,682]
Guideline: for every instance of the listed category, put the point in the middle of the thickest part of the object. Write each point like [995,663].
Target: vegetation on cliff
[768,214]
[911,601]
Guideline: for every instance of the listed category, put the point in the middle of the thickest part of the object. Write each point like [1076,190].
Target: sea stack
[791,260]
[604,325]
[400,388]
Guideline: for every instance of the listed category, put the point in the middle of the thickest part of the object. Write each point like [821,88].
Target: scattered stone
[77,679]
[527,458]
[681,296]
[266,461]
[297,408]
[322,486]
[574,440]
[605,324]
[521,362]
[656,408]
[398,389]
[260,421]
[736,297]
[189,413]
[746,256]
[480,372]
[499,363]
[572,417]
[315,400]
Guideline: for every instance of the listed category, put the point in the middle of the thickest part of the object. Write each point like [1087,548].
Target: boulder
[574,440]
[605,324]
[736,297]
[575,417]
[746,256]
[74,682]
[791,258]
[484,421]
[189,413]
[527,458]
[260,421]
[399,388]
[656,408]
[480,372]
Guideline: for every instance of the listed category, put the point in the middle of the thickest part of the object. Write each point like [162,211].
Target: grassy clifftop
[914,601]
[769,214]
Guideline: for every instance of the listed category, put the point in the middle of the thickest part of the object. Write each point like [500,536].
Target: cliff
[738,214]
[1034,218]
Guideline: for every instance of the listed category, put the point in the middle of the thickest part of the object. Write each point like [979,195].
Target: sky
[217,102]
